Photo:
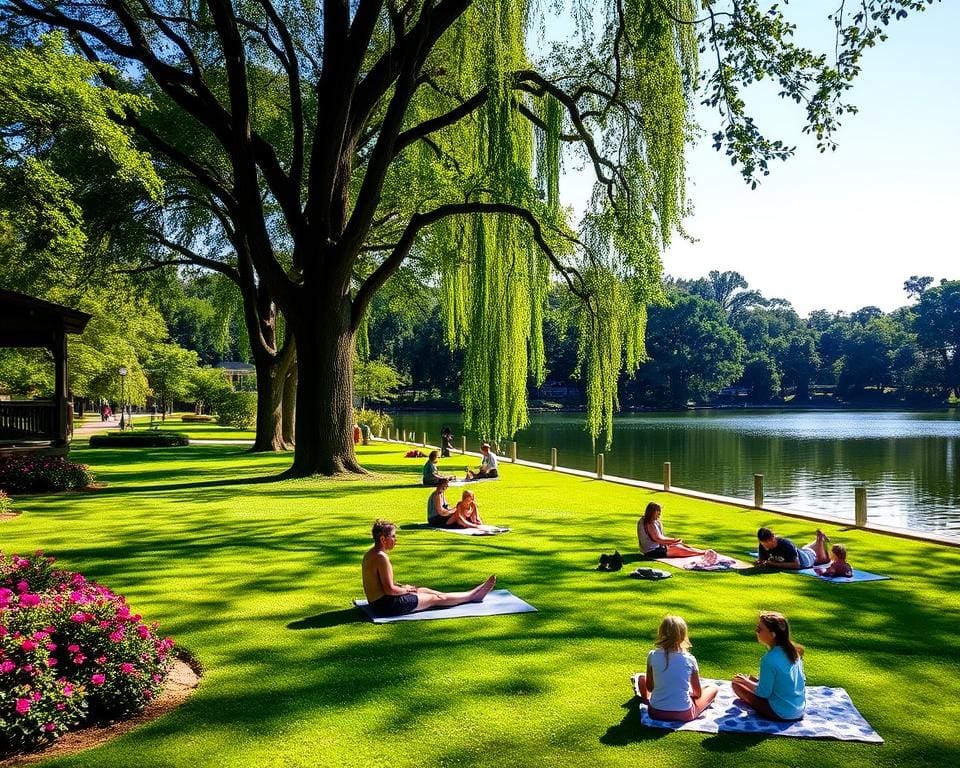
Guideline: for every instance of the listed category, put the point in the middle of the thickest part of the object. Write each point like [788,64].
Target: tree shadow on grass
[631,729]
[330,619]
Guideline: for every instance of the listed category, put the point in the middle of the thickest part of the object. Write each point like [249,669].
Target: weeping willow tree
[362,135]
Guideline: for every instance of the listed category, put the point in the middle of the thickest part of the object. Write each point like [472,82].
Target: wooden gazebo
[37,425]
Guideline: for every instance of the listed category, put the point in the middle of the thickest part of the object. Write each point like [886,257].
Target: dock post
[513,451]
[666,475]
[553,458]
[599,466]
[758,491]
[860,506]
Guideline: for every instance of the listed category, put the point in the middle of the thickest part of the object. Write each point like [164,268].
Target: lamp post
[123,400]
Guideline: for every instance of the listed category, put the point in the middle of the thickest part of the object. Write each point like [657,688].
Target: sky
[844,229]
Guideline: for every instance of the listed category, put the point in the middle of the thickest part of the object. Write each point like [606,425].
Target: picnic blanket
[830,714]
[696,563]
[858,575]
[484,530]
[498,602]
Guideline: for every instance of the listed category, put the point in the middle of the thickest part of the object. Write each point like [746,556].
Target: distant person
[778,552]
[446,442]
[438,510]
[671,687]
[431,471]
[69,413]
[441,515]
[654,543]
[780,692]
[488,465]
[838,563]
[387,598]
[356,434]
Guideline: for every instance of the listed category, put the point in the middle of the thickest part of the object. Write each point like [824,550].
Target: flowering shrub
[42,473]
[70,651]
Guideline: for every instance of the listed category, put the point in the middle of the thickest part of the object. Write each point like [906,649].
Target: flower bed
[71,652]
[195,417]
[32,474]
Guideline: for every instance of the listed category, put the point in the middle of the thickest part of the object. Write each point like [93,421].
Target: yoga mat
[682,562]
[830,714]
[473,482]
[858,575]
[498,602]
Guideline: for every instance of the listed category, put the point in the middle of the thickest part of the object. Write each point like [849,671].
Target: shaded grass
[255,574]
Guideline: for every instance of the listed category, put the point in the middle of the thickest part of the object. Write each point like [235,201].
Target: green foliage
[376,420]
[238,409]
[171,372]
[35,474]
[6,503]
[207,388]
[146,439]
[375,380]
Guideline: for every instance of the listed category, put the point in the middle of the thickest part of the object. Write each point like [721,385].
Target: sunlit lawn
[255,577]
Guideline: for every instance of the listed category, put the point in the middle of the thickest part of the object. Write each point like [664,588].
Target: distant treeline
[713,340]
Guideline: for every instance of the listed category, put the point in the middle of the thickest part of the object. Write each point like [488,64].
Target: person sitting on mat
[654,543]
[780,693]
[387,598]
[431,472]
[442,515]
[488,465]
[671,687]
[838,563]
[778,552]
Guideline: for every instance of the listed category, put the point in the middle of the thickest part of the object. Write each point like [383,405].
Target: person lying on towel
[387,598]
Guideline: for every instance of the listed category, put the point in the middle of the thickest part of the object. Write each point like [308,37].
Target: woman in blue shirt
[779,693]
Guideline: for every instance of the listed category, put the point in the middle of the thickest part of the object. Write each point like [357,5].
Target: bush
[238,409]
[374,419]
[70,651]
[42,473]
[196,417]
[6,503]
[146,439]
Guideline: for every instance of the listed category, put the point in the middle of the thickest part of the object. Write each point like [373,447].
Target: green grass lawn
[209,430]
[255,576]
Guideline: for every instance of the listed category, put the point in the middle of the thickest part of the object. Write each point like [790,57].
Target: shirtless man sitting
[387,598]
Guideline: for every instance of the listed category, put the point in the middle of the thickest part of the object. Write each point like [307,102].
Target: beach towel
[830,714]
[464,481]
[705,562]
[858,575]
[498,602]
[484,530]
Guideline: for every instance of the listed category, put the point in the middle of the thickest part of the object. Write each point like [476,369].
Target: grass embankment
[255,576]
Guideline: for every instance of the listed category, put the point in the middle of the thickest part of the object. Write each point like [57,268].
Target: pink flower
[52,662]
[123,612]
[48,727]
[127,668]
[68,690]
[7,666]
[98,679]
[51,646]
[61,706]
[22,586]
[28,645]
[143,631]
[80,617]
[20,562]
[101,659]
[23,706]
[73,647]
[116,636]
[36,696]
[148,694]
[3,630]
[78,658]
[28,599]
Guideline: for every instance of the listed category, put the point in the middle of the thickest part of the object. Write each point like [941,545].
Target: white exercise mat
[497,602]
[830,714]
[689,563]
[483,530]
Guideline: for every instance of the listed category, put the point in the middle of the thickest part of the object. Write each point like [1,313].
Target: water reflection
[810,460]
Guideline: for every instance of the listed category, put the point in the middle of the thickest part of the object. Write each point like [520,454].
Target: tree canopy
[332,142]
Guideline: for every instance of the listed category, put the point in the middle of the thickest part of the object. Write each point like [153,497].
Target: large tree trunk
[269,399]
[290,404]
[324,428]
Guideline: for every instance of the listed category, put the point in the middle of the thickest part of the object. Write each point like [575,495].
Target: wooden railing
[31,419]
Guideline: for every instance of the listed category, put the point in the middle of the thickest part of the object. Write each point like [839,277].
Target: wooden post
[758,491]
[860,506]
[513,451]
[463,443]
[424,439]
[553,458]
[599,466]
[666,475]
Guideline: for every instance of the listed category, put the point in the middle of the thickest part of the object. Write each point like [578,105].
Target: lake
[811,460]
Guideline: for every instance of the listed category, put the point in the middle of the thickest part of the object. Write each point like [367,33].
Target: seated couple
[778,552]
[441,515]
[387,598]
[671,686]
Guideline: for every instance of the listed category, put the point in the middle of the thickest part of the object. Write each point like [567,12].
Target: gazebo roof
[26,321]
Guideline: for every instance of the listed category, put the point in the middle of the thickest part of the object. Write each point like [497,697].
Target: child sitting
[671,686]
[838,563]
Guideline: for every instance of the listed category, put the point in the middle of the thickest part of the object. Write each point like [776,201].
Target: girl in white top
[654,542]
[671,688]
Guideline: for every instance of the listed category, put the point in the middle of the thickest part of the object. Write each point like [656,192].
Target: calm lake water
[811,460]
